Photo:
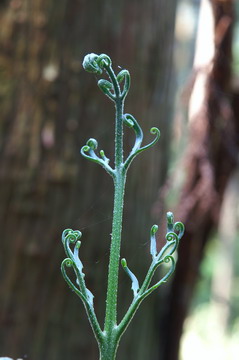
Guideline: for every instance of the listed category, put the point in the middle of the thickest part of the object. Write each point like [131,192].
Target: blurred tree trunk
[223,278]
[49,108]
[210,160]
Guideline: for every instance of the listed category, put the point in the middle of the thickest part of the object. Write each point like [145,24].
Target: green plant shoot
[108,336]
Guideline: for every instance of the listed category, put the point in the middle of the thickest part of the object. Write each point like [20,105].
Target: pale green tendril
[108,336]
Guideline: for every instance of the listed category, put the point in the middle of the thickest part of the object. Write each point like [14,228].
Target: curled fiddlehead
[94,63]
[164,256]
[153,131]
[69,263]
[174,234]
[107,88]
[88,151]
[71,237]
[179,228]
[124,75]
[131,122]
[112,88]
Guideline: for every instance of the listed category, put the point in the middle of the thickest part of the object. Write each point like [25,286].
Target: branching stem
[108,338]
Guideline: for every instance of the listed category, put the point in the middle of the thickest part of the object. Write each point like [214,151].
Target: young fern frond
[116,89]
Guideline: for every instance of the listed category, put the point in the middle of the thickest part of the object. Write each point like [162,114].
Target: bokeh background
[183,57]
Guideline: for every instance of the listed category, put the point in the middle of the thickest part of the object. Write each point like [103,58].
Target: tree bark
[210,159]
[49,108]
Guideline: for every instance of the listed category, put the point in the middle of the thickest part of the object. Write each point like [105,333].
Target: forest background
[183,57]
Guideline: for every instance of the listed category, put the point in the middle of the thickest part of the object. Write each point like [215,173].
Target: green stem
[110,329]
[119,138]
[108,349]
[119,184]
[111,300]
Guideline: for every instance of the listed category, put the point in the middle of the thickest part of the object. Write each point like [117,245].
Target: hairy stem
[119,185]
[108,349]
[111,300]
